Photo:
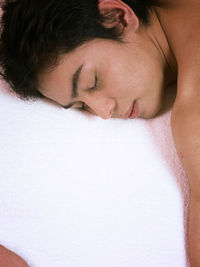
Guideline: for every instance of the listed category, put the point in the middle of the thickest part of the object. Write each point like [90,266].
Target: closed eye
[95,84]
[83,107]
[86,110]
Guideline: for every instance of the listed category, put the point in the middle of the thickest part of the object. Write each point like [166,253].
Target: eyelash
[84,106]
[95,85]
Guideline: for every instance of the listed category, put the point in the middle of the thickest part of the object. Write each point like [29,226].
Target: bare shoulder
[10,259]
[180,21]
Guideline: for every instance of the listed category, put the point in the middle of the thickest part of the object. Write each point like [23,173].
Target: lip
[134,111]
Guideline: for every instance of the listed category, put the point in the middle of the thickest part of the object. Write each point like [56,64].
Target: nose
[103,108]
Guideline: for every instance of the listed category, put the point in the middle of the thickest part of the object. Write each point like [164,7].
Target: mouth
[134,111]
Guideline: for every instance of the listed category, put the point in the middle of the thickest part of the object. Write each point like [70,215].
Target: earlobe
[117,14]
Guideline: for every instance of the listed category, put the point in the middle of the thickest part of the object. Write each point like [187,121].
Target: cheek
[125,79]
[121,84]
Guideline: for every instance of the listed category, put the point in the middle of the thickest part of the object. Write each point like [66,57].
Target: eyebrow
[75,81]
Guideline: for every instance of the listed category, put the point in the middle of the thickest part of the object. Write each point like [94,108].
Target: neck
[158,38]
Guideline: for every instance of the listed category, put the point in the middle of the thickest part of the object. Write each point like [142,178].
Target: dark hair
[34,33]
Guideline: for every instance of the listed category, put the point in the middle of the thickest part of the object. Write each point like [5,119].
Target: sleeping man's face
[106,78]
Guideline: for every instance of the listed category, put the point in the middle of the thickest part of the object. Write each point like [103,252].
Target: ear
[117,13]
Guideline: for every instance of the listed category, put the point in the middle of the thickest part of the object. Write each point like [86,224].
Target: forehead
[90,51]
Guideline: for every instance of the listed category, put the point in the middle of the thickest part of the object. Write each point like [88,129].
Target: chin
[148,116]
[152,113]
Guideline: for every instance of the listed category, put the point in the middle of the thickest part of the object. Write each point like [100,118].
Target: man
[112,58]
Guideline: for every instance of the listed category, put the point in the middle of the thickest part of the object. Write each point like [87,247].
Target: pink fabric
[162,138]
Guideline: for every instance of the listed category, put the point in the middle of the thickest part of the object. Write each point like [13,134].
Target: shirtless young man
[160,44]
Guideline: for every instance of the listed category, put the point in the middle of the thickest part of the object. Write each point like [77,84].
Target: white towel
[79,191]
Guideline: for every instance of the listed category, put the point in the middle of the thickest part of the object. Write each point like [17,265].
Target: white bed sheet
[78,191]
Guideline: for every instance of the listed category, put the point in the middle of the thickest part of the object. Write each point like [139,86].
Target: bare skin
[181,23]
[10,259]
[171,47]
